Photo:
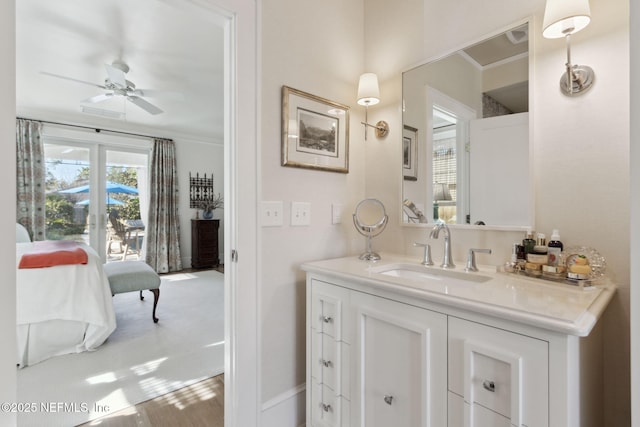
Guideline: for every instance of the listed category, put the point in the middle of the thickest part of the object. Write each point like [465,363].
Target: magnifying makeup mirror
[370,219]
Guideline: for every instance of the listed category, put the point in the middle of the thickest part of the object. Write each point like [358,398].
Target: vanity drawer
[500,371]
[458,410]
[327,409]
[330,363]
[327,307]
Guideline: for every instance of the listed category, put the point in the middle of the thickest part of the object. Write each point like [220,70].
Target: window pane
[67,192]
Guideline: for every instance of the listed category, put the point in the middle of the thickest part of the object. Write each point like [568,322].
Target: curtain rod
[98,130]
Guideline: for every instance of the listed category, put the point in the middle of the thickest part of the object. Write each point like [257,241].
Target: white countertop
[537,302]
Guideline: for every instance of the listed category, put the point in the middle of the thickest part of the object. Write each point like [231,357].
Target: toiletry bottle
[554,248]
[541,245]
[528,242]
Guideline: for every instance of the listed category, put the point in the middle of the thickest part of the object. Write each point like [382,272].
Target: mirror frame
[531,187]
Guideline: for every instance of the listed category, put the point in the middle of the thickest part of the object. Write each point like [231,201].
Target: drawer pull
[388,399]
[489,386]
[327,319]
[325,407]
[326,363]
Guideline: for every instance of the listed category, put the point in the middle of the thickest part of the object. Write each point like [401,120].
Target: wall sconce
[561,19]
[369,94]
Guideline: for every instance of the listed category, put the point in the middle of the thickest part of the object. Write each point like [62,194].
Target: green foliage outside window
[65,218]
[60,218]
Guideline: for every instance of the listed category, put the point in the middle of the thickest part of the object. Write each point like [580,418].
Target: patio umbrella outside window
[112,187]
[110,202]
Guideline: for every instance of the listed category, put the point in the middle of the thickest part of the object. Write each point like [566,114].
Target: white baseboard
[285,410]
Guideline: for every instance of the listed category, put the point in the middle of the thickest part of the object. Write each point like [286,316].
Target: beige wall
[315,47]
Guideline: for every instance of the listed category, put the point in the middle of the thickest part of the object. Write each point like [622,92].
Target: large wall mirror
[466,157]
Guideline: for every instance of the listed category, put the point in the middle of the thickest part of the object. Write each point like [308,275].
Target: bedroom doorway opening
[97,194]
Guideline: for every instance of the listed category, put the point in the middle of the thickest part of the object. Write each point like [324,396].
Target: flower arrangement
[209,206]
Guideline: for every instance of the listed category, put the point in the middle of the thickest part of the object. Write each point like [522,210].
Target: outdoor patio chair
[118,232]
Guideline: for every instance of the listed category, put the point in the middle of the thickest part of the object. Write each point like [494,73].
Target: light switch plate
[271,214]
[300,213]
[336,213]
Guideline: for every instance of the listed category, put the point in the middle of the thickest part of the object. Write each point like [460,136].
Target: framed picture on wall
[315,132]
[410,153]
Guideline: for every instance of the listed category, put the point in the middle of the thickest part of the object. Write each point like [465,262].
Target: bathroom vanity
[395,343]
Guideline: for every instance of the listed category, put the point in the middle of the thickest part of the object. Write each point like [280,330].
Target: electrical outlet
[300,213]
[271,214]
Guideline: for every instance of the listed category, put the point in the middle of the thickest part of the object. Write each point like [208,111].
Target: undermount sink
[423,273]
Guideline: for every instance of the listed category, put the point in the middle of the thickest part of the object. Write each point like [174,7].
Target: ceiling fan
[117,85]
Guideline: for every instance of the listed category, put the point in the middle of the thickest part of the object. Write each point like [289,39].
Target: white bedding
[62,309]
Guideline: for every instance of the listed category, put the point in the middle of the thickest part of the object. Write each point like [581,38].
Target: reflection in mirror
[370,219]
[466,137]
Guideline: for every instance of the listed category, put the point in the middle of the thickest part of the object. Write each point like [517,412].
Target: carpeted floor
[140,360]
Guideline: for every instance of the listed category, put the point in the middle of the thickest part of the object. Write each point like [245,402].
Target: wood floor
[199,405]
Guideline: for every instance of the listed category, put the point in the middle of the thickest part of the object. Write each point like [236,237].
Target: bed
[61,309]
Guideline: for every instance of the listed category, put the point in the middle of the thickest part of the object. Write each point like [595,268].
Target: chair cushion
[129,276]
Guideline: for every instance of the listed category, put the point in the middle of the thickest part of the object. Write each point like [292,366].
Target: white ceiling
[169,46]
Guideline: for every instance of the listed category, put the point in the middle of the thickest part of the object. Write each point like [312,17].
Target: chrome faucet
[447,260]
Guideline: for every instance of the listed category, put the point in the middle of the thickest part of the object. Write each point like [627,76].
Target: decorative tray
[570,256]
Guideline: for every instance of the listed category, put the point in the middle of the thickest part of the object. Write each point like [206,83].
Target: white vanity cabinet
[373,361]
[385,350]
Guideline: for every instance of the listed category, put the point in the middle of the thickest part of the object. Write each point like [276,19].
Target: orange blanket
[50,253]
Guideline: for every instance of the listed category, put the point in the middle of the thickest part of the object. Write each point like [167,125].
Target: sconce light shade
[563,17]
[441,192]
[368,91]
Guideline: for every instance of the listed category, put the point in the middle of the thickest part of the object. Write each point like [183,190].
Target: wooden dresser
[204,243]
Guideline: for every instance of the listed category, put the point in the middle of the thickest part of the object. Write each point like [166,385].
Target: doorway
[239,18]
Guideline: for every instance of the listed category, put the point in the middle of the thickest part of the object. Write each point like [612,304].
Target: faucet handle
[471,259]
[426,258]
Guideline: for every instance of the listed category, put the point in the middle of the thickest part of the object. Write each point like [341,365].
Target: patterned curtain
[163,229]
[30,170]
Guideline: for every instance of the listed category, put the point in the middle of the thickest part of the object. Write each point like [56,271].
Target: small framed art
[410,153]
[315,132]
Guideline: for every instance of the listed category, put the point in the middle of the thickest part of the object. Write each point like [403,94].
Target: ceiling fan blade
[72,79]
[116,76]
[98,98]
[145,105]
[175,96]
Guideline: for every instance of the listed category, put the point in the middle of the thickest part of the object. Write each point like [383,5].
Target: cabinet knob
[489,385]
[326,363]
[388,399]
[325,407]
[327,319]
